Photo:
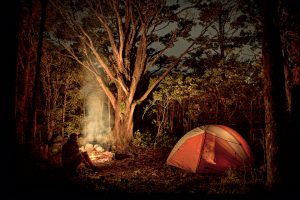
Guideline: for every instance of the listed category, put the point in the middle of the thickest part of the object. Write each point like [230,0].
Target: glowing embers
[97,154]
[101,157]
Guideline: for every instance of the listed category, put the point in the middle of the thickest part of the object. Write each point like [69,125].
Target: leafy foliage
[146,140]
[142,140]
[231,95]
[165,140]
[62,100]
[233,34]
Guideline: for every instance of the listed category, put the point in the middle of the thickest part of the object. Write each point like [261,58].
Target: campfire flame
[92,156]
[97,154]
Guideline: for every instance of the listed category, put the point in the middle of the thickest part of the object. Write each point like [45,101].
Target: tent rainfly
[210,148]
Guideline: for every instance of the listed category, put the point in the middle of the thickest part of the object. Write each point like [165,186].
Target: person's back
[71,156]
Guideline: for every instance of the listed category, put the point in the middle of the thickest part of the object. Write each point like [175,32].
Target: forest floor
[140,171]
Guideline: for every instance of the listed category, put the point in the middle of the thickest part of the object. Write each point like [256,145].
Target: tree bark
[294,138]
[123,127]
[24,69]
[30,132]
[63,112]
[274,96]
[288,82]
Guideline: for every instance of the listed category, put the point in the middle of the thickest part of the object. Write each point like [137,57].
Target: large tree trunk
[295,138]
[123,127]
[274,97]
[26,123]
[24,69]
[123,122]
[30,131]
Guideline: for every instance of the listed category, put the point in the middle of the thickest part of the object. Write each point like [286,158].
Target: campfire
[97,154]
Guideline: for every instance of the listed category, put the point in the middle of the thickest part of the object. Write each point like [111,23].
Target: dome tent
[210,148]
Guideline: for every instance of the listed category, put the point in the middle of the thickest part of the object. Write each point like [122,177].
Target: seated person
[72,156]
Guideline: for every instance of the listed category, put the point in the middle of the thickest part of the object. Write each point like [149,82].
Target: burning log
[101,157]
[97,154]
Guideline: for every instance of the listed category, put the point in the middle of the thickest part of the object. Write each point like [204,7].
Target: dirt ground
[139,171]
[142,171]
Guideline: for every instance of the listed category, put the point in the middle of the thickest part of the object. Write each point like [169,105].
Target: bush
[147,139]
[142,140]
[165,141]
[237,181]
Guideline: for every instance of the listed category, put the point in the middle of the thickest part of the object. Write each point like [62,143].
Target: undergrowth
[149,140]
[238,181]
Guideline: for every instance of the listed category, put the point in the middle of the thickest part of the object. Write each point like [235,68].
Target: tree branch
[170,43]
[109,32]
[102,63]
[120,27]
[97,76]
[164,74]
[96,54]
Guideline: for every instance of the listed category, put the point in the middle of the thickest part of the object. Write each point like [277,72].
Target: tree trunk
[251,123]
[64,111]
[23,102]
[123,127]
[30,131]
[109,114]
[274,97]
[101,118]
[288,82]
[54,97]
[295,138]
[25,73]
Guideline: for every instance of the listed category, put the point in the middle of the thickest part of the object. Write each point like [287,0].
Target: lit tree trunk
[64,111]
[163,119]
[189,115]
[251,122]
[54,97]
[51,93]
[172,114]
[123,124]
[274,96]
[48,95]
[183,116]
[101,114]
[109,115]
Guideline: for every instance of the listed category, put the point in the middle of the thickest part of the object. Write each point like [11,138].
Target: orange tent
[210,148]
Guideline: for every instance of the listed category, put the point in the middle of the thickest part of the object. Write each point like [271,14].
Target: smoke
[98,118]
